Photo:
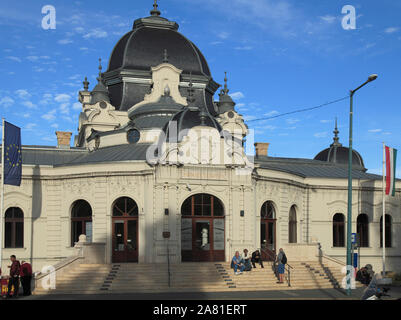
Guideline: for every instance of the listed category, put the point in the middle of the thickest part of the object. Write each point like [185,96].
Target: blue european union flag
[12,155]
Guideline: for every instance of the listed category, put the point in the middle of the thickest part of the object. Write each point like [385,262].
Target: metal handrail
[287,267]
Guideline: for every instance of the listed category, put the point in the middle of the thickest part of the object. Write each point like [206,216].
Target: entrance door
[268,231]
[125,231]
[125,240]
[202,229]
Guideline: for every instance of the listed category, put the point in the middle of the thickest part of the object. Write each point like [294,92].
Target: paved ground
[326,294]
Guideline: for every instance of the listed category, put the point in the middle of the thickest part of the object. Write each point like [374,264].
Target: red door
[125,240]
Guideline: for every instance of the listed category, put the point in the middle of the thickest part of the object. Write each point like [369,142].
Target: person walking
[14,276]
[281,260]
[26,277]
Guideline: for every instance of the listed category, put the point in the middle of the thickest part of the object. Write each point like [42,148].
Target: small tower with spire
[100,92]
[225,103]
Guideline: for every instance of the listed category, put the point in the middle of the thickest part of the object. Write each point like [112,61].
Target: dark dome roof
[189,118]
[155,114]
[339,155]
[144,45]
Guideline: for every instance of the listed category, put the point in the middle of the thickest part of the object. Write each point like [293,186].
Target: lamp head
[372,77]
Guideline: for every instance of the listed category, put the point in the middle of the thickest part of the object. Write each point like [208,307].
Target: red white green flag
[391,158]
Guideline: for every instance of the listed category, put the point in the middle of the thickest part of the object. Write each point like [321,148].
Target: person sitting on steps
[237,263]
[257,258]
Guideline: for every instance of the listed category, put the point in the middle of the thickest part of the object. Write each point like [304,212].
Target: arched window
[268,211]
[362,229]
[14,228]
[292,226]
[81,221]
[202,205]
[338,230]
[388,231]
[125,207]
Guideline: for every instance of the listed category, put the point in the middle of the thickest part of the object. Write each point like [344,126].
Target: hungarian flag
[391,157]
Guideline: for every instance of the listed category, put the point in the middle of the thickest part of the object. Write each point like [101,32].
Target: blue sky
[280,56]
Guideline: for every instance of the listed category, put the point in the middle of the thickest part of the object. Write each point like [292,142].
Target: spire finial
[155,11]
[165,56]
[336,138]
[86,84]
[100,68]
[225,90]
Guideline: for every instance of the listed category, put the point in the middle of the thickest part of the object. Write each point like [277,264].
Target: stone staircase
[190,277]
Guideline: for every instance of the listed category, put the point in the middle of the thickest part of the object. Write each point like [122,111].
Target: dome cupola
[339,155]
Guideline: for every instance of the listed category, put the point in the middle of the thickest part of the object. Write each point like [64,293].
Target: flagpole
[2,193]
[384,213]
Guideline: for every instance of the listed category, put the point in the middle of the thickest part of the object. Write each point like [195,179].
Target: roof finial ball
[336,138]
[155,11]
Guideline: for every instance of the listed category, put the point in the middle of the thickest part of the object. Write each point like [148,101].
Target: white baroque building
[158,166]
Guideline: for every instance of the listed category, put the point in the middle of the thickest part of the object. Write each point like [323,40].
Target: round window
[103,105]
[133,136]
[231,115]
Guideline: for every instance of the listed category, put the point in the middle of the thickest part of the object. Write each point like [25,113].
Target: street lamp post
[349,211]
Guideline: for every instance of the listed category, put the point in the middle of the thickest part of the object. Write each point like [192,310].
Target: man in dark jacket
[256,257]
[14,276]
[26,277]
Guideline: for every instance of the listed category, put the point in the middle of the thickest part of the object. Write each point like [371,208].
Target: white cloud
[328,18]
[391,30]
[29,104]
[65,41]
[223,35]
[292,121]
[16,59]
[64,108]
[96,33]
[77,106]
[62,98]
[244,48]
[375,130]
[271,113]
[23,94]
[6,102]
[50,116]
[320,135]
[237,95]
[30,126]
[325,121]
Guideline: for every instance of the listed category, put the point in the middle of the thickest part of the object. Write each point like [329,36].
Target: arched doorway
[292,226]
[81,221]
[125,230]
[268,230]
[202,229]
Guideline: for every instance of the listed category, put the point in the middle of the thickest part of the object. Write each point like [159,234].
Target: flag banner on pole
[391,159]
[12,155]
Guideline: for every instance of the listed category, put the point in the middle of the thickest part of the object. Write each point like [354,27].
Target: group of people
[365,274]
[19,272]
[246,262]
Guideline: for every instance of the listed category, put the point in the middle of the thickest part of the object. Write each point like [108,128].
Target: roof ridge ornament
[86,84]
[155,12]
